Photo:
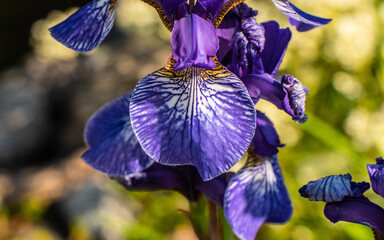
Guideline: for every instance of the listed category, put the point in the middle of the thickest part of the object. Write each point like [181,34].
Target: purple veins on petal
[333,188]
[193,117]
[376,175]
[86,28]
[113,146]
[298,18]
[194,43]
[256,194]
[266,140]
[356,210]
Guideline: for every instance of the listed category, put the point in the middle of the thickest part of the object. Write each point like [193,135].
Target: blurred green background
[47,92]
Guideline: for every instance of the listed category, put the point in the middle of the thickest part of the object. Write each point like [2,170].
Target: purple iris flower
[191,112]
[345,199]
[254,195]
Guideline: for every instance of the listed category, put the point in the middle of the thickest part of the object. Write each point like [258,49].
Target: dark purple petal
[301,20]
[213,7]
[266,87]
[86,28]
[113,146]
[376,175]
[276,42]
[161,177]
[214,189]
[256,194]
[356,210]
[266,140]
[194,43]
[171,8]
[194,117]
[333,188]
[225,34]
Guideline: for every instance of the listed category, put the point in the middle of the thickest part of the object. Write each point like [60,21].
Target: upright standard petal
[256,194]
[86,28]
[194,43]
[376,175]
[266,140]
[333,188]
[356,210]
[193,117]
[301,20]
[113,146]
[276,42]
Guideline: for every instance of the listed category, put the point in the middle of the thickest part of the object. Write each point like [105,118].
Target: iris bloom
[254,195]
[345,199]
[194,111]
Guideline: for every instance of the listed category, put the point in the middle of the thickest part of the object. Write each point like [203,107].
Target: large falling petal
[299,19]
[86,28]
[194,117]
[113,146]
[256,194]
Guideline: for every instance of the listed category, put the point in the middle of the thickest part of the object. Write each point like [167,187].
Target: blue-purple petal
[276,42]
[171,8]
[225,33]
[289,95]
[214,189]
[161,177]
[184,179]
[333,188]
[376,175]
[266,140]
[256,194]
[194,43]
[266,87]
[86,28]
[212,7]
[194,117]
[356,210]
[299,19]
[113,146]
